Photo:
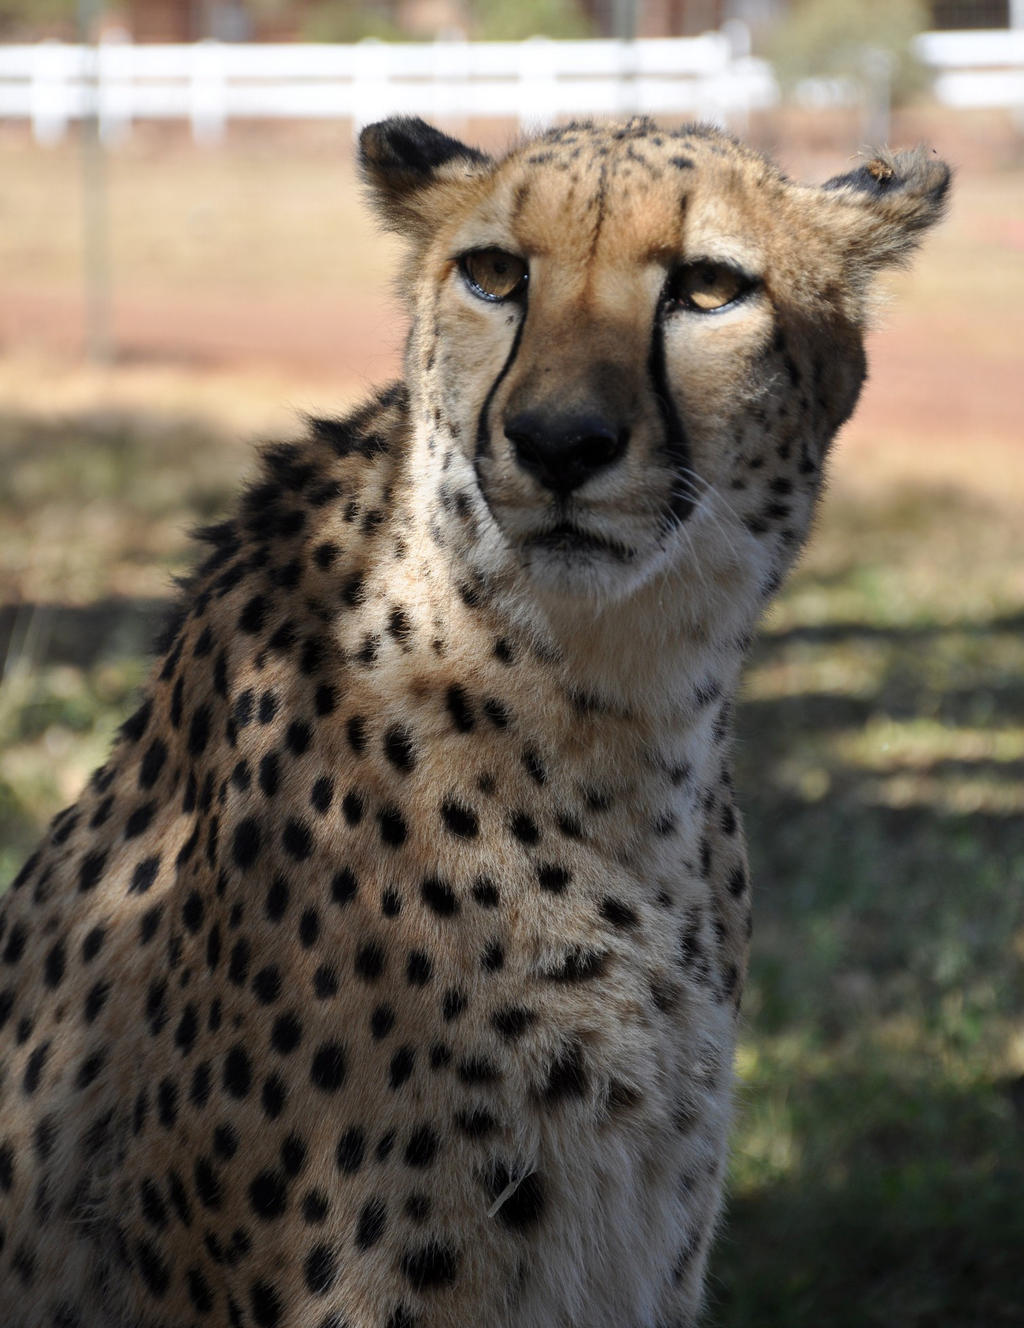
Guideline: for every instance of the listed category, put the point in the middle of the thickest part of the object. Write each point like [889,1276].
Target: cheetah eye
[705,287]
[493,274]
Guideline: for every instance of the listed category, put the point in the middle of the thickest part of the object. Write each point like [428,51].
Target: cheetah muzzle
[387,975]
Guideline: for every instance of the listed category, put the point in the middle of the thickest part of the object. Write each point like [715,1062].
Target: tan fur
[388,973]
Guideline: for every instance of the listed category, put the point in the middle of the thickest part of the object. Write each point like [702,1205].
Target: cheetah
[387,975]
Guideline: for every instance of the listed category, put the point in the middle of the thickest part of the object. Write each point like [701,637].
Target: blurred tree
[493,20]
[847,39]
[27,19]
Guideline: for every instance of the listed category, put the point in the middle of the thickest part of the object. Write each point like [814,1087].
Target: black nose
[564,449]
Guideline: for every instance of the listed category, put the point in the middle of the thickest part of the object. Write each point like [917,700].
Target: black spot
[246,843]
[524,828]
[54,964]
[343,887]
[273,1096]
[325,699]
[6,1167]
[618,913]
[298,737]
[320,1269]
[497,713]
[567,1075]
[268,1195]
[253,615]
[478,1070]
[268,706]
[266,984]
[552,877]
[493,958]
[476,1124]
[401,1067]
[485,893]
[225,1141]
[356,730]
[459,708]
[422,1147]
[322,794]
[460,820]
[297,840]
[309,928]
[286,1034]
[199,731]
[266,1305]
[327,1071]
[512,1021]
[139,820]
[453,1004]
[433,1265]
[152,763]
[392,827]
[382,1021]
[418,968]
[737,881]
[237,1072]
[188,1027]
[372,1221]
[135,725]
[351,1150]
[439,897]
[369,961]
[152,1269]
[89,874]
[315,1207]
[199,1291]
[352,807]
[238,964]
[325,982]
[398,748]
[90,1069]
[524,1205]
[192,912]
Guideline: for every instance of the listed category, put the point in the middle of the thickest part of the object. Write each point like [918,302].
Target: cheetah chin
[387,975]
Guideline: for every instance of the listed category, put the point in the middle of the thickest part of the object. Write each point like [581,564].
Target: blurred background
[185,266]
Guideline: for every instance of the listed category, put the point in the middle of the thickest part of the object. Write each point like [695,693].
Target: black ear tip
[408,144]
[918,172]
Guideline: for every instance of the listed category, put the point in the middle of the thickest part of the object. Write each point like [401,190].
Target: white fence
[535,82]
[210,83]
[975,68]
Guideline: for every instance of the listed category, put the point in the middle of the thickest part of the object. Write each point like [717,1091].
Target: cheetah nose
[563,451]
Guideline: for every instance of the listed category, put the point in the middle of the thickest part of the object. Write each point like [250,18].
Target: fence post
[208,92]
[538,78]
[370,84]
[114,84]
[54,66]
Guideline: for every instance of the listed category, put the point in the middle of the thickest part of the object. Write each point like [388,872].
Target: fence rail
[211,83]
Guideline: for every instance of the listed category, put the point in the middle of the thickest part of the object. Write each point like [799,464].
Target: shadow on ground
[879,1151]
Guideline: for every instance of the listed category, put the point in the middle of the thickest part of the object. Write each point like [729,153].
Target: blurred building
[251,20]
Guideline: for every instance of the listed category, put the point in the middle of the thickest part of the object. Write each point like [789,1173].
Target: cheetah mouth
[566,539]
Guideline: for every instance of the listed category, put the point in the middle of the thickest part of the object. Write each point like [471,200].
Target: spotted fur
[387,975]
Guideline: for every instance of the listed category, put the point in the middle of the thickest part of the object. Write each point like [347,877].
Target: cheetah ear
[406,163]
[882,209]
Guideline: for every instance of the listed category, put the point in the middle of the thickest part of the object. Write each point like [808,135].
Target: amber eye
[705,287]
[494,274]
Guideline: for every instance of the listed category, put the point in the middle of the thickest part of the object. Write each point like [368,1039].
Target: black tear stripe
[483,443]
[676,445]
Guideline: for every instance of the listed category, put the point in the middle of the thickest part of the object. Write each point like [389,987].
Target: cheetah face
[634,346]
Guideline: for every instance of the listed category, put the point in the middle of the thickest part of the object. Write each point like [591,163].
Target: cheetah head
[631,347]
